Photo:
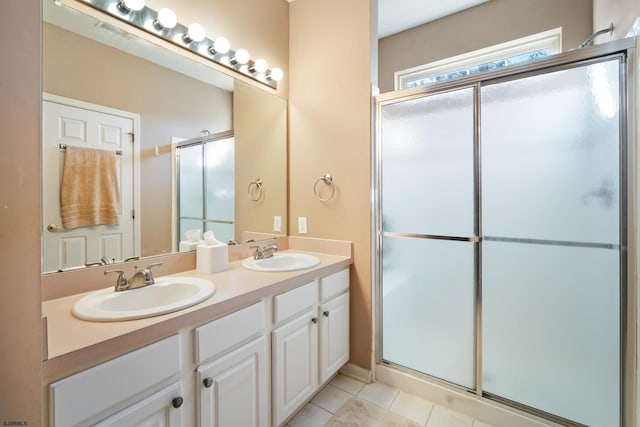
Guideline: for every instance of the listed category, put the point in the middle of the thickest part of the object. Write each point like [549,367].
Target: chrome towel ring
[255,194]
[328,180]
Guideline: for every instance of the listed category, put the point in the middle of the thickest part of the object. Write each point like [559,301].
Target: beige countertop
[74,344]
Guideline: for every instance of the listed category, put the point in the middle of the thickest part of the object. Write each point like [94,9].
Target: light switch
[302,224]
[277,223]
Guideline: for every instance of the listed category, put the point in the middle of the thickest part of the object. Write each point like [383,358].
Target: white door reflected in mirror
[67,122]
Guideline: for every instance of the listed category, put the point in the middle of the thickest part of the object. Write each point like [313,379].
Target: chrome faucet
[140,279]
[266,252]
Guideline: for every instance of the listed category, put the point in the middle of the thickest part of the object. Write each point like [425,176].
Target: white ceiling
[399,15]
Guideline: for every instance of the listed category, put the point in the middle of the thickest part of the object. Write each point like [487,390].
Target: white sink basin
[166,295]
[282,261]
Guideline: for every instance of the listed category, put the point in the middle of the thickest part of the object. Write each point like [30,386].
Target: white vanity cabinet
[334,335]
[253,367]
[142,385]
[310,340]
[233,384]
[295,363]
[163,408]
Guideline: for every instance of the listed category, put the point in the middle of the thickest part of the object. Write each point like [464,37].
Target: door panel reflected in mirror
[171,106]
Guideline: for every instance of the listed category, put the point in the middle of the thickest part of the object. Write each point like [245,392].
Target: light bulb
[128,5]
[260,66]
[195,33]
[166,19]
[242,56]
[221,45]
[276,74]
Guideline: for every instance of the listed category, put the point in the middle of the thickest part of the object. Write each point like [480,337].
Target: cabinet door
[334,335]
[295,365]
[163,408]
[233,388]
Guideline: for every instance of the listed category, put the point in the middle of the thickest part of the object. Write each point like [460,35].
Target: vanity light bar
[192,38]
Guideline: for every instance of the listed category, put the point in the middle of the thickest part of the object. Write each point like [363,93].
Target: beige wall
[621,13]
[329,113]
[260,26]
[169,103]
[20,334]
[485,25]
[260,122]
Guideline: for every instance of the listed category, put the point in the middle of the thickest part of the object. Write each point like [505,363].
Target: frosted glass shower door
[428,166]
[550,155]
[428,229]
[219,197]
[190,202]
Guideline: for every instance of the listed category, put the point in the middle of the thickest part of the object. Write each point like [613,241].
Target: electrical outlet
[302,224]
[277,223]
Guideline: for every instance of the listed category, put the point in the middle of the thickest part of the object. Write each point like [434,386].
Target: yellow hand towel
[89,193]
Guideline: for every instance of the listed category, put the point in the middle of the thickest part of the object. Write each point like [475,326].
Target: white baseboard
[356,372]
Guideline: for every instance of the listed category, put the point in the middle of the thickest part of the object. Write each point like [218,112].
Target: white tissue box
[212,258]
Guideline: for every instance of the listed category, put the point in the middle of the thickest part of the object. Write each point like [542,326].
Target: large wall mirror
[197,149]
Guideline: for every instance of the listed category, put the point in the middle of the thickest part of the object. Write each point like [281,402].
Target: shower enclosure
[205,182]
[504,246]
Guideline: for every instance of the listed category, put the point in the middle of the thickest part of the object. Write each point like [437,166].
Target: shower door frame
[193,142]
[625,50]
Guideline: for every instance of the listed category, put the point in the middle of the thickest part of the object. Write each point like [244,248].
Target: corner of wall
[20,311]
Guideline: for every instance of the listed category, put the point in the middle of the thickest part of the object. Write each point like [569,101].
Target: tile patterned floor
[335,394]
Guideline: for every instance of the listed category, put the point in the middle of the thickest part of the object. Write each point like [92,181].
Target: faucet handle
[148,270]
[257,254]
[269,250]
[121,283]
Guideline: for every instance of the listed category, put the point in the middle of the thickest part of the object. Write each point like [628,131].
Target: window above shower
[517,51]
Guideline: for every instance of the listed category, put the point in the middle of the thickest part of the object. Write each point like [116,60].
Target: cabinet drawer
[101,390]
[295,301]
[229,331]
[334,284]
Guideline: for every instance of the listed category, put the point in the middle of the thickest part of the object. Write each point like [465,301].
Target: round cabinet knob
[325,313]
[208,382]
[177,402]
[314,320]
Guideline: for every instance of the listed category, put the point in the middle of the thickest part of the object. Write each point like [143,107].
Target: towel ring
[258,189]
[328,180]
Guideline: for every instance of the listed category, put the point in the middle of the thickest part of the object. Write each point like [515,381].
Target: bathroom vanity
[250,355]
